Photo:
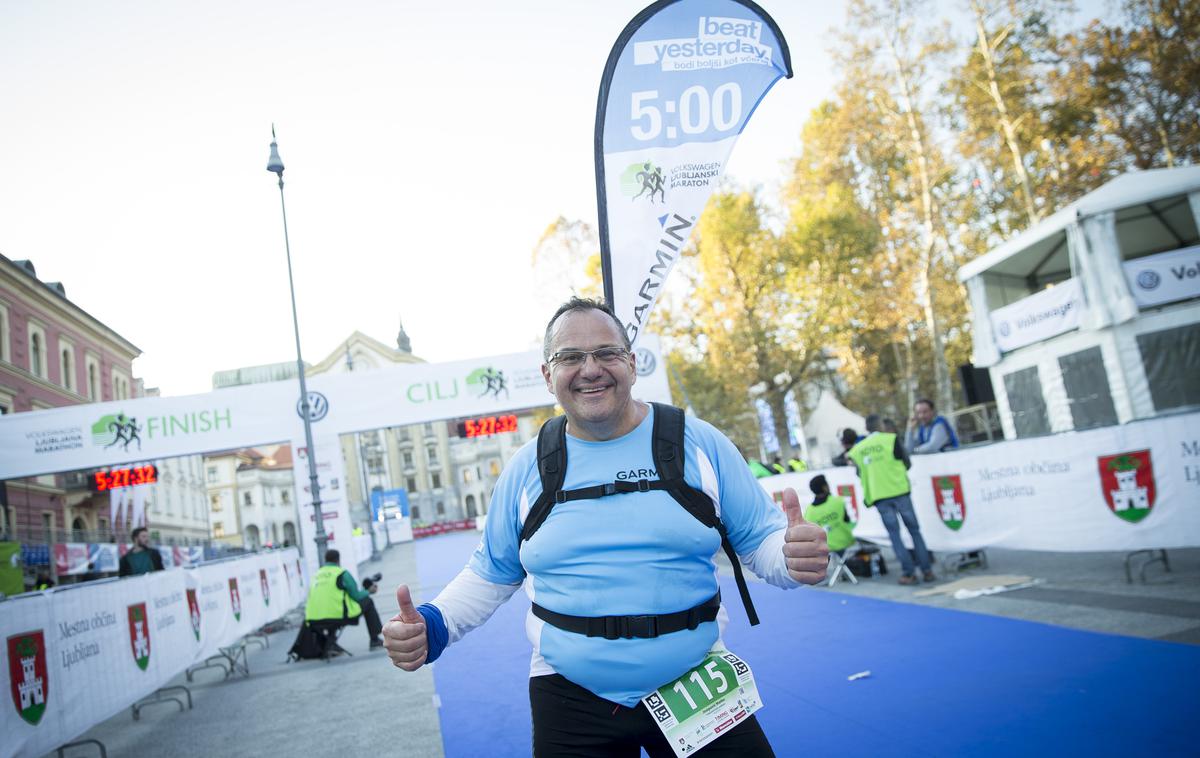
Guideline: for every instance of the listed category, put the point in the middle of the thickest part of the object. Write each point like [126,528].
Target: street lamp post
[275,165]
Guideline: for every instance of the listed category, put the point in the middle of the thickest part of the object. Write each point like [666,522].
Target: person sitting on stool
[335,600]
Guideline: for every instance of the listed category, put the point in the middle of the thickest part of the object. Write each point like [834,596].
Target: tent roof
[1134,188]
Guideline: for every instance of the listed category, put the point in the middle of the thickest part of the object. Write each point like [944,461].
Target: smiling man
[621,571]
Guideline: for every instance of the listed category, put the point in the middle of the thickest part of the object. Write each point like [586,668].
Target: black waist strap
[628,627]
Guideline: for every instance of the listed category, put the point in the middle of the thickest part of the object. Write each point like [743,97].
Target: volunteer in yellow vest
[883,467]
[335,596]
[829,512]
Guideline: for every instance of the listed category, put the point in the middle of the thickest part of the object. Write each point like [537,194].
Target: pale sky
[427,146]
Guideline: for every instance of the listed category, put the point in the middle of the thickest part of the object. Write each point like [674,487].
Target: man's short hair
[582,304]
[925,401]
[136,531]
[818,484]
[849,436]
[873,422]
[333,556]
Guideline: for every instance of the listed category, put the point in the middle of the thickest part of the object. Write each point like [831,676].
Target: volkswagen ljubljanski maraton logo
[646,361]
[318,406]
[1148,279]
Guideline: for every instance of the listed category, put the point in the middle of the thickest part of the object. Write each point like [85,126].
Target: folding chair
[837,567]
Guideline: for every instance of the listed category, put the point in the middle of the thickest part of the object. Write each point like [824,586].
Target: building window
[216,503]
[1026,403]
[466,476]
[441,508]
[416,513]
[494,468]
[1088,394]
[5,348]
[435,480]
[37,351]
[285,497]
[48,526]
[431,455]
[408,459]
[1171,359]
[411,483]
[93,378]
[212,474]
[67,363]
[218,529]
[246,499]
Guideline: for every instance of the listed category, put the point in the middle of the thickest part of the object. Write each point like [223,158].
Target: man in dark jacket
[141,559]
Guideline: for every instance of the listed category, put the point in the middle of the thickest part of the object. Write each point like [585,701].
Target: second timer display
[486,426]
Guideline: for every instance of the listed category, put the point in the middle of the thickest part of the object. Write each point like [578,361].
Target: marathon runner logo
[1127,481]
[139,635]
[644,180]
[235,599]
[848,493]
[266,588]
[948,495]
[488,381]
[194,613]
[28,677]
[116,429]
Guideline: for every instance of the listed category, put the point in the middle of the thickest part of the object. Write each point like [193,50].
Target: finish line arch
[113,433]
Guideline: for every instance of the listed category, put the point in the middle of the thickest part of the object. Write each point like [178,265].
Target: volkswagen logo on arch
[318,407]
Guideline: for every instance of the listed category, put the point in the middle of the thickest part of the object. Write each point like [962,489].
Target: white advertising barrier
[118,432]
[77,656]
[1038,317]
[1164,278]
[1129,487]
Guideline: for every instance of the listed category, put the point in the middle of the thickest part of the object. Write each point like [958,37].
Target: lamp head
[275,163]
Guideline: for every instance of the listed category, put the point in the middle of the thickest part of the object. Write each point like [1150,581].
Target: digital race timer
[103,481]
[485,426]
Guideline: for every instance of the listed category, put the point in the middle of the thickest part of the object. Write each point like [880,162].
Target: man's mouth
[591,390]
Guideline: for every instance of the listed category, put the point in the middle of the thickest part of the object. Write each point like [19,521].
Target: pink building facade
[52,354]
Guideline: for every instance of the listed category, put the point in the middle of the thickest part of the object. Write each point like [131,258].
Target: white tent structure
[824,429]
[1092,316]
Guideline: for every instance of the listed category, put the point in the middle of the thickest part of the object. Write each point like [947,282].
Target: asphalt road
[362,705]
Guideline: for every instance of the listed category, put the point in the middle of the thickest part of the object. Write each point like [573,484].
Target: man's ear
[546,376]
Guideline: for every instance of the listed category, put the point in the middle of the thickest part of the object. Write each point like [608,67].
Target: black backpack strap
[669,460]
[552,470]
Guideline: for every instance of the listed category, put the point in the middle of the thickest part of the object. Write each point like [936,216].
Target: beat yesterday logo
[719,42]
[948,497]
[1127,483]
[28,675]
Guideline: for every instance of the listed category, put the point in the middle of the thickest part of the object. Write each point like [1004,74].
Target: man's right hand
[404,634]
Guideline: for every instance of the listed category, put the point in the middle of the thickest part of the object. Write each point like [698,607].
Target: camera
[370,581]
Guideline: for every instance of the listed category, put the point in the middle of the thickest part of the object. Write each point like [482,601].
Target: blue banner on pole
[681,82]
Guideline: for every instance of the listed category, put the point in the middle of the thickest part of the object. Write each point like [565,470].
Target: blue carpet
[943,683]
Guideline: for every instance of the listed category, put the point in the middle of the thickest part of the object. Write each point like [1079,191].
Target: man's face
[143,539]
[923,413]
[594,392]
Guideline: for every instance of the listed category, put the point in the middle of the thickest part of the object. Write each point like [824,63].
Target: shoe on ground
[909,579]
[930,576]
[376,642]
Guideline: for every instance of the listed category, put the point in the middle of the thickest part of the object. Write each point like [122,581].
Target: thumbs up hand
[404,634]
[805,547]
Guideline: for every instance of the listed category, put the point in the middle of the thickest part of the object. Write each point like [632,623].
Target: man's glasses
[575,358]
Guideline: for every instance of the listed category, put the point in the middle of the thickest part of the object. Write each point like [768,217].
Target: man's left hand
[805,546]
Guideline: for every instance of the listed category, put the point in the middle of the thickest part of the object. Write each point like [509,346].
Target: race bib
[705,702]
